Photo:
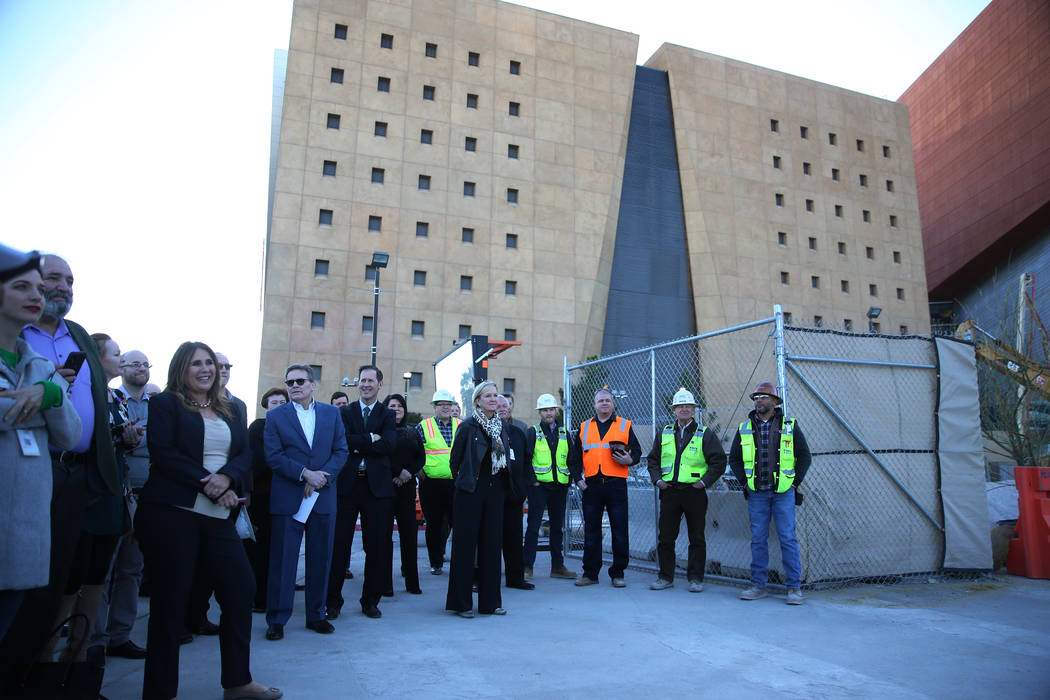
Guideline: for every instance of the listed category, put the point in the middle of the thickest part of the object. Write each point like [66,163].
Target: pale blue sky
[135,134]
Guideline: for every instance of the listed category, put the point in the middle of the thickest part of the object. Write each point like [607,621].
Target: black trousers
[35,619]
[404,511]
[513,536]
[478,535]
[375,530]
[435,497]
[676,501]
[175,542]
[259,550]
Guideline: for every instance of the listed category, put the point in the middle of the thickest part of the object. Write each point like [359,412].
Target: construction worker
[549,487]
[769,458]
[683,464]
[435,434]
[605,448]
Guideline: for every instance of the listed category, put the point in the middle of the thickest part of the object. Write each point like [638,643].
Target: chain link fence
[866,404]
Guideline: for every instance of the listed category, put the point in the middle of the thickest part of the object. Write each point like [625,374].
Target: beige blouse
[216,453]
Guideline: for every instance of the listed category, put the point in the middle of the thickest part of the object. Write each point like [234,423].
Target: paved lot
[955,639]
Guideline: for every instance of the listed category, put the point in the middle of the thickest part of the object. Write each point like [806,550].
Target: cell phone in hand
[75,361]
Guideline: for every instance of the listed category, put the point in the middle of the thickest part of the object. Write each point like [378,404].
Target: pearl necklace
[199,405]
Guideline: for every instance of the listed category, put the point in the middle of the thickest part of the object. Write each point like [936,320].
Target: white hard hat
[443,395]
[546,401]
[683,397]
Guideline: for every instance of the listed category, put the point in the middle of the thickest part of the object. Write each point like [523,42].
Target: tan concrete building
[483,146]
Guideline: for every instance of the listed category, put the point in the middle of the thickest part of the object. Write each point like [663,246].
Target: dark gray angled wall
[650,299]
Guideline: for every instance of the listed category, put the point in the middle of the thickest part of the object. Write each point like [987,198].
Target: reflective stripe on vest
[436,449]
[541,457]
[783,473]
[692,466]
[596,455]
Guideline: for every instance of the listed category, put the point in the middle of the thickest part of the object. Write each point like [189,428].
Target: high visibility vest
[596,453]
[436,449]
[784,473]
[541,457]
[692,466]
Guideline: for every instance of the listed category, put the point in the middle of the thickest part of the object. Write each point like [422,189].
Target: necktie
[365,412]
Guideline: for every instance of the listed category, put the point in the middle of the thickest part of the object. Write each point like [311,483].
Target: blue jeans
[551,498]
[610,494]
[781,506]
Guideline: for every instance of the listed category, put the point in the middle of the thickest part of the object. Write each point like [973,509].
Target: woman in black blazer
[199,464]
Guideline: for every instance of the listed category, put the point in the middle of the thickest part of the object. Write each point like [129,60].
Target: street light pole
[379,261]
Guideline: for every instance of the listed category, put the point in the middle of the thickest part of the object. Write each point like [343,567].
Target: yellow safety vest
[692,466]
[436,449]
[541,457]
[784,473]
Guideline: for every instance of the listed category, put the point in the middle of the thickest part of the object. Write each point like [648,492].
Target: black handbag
[59,680]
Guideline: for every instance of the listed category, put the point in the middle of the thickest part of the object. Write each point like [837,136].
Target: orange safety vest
[597,457]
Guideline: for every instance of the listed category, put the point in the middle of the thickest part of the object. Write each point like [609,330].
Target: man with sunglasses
[306,448]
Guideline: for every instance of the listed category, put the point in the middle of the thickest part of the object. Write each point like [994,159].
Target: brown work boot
[585,581]
[562,572]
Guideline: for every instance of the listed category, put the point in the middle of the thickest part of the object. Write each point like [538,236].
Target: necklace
[198,405]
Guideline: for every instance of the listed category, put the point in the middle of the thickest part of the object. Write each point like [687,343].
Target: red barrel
[1029,551]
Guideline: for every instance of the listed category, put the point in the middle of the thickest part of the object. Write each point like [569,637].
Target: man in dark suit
[514,499]
[367,488]
[306,449]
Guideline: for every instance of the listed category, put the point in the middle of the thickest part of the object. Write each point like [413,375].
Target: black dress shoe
[523,585]
[127,650]
[415,591]
[332,614]
[275,632]
[208,628]
[321,627]
[372,612]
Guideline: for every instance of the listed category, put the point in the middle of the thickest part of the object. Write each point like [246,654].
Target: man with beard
[79,476]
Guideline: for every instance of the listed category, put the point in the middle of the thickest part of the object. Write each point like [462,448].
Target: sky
[134,135]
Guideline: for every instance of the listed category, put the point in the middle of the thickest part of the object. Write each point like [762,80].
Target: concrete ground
[953,639]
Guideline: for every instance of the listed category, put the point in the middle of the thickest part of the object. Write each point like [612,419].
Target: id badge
[28,443]
[512,453]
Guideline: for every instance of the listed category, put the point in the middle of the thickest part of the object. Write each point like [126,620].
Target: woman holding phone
[200,463]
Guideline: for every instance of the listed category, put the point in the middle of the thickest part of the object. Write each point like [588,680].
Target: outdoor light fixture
[379,261]
[407,376]
[873,313]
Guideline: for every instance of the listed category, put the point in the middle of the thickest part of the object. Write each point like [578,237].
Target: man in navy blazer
[367,487]
[306,447]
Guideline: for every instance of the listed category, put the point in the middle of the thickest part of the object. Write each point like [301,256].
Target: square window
[320,268]
[472,101]
[470,144]
[428,92]
[900,293]
[467,235]
[809,205]
[333,121]
[426,136]
[431,50]
[838,210]
[782,238]
[510,334]
[833,138]
[893,221]
[508,385]
[776,162]
[419,278]
[510,288]
[897,257]
[383,84]
[806,168]
[774,125]
[803,131]
[513,109]
[512,151]
[317,319]
[317,372]
[466,283]
[873,290]
[416,380]
[366,324]
[863,180]
[512,195]
[424,182]
[889,185]
[515,67]
[324,217]
[860,145]
[886,154]
[422,229]
[844,286]
[417,329]
[340,31]
[328,169]
[847,323]
[464,331]
[337,75]
[835,174]
[785,278]
[375,223]
[904,330]
[842,248]
[380,129]
[866,216]
[468,189]
[386,41]
[869,252]
[779,199]
[788,317]
[512,240]
[812,243]
[818,321]
[370,273]
[814,282]
[378,174]
[473,58]
[876,327]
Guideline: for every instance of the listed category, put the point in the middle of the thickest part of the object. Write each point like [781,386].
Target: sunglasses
[226,366]
[295,382]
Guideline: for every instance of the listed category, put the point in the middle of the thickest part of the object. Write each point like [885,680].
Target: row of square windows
[423,184]
[836,174]
[318,320]
[815,283]
[430,49]
[426,136]
[847,323]
[419,278]
[325,217]
[833,138]
[865,214]
[429,93]
[869,252]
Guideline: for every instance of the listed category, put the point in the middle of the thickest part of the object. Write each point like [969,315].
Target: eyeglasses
[136,365]
[227,366]
[294,382]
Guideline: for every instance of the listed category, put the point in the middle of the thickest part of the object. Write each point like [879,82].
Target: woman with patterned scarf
[480,462]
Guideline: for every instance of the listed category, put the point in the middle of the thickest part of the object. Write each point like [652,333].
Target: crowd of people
[172,494]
